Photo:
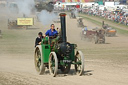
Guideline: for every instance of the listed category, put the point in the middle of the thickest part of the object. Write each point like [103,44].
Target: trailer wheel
[104,40]
[53,64]
[79,59]
[96,39]
[38,59]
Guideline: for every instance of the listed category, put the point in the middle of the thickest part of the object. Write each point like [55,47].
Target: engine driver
[51,32]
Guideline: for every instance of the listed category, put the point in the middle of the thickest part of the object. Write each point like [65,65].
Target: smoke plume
[26,6]
[46,17]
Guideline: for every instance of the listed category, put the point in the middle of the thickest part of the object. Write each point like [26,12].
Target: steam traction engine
[109,31]
[80,22]
[56,53]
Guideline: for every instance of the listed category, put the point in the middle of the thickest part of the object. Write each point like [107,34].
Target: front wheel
[53,64]
[79,60]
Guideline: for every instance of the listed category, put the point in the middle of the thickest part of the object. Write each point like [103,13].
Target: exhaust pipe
[63,27]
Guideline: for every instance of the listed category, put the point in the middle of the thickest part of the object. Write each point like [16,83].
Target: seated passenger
[51,32]
[38,39]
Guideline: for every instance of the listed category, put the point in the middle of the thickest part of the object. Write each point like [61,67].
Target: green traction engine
[56,53]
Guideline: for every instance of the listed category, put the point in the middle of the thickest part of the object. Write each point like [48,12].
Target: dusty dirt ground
[105,64]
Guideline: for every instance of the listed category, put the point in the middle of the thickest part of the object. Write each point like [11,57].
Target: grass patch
[106,20]
[112,21]
[121,31]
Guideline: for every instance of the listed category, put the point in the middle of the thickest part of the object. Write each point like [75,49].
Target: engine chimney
[63,26]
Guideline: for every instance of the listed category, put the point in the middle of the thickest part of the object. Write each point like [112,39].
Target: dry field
[105,64]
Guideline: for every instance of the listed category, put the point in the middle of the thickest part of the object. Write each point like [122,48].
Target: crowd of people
[116,16]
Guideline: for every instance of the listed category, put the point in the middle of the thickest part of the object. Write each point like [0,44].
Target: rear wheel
[106,34]
[79,59]
[104,40]
[96,39]
[38,59]
[53,64]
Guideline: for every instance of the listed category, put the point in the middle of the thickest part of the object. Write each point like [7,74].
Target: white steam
[18,8]
[46,17]
[26,6]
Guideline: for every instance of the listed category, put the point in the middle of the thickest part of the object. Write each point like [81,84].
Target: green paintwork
[78,63]
[45,41]
[45,50]
[72,55]
[61,62]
